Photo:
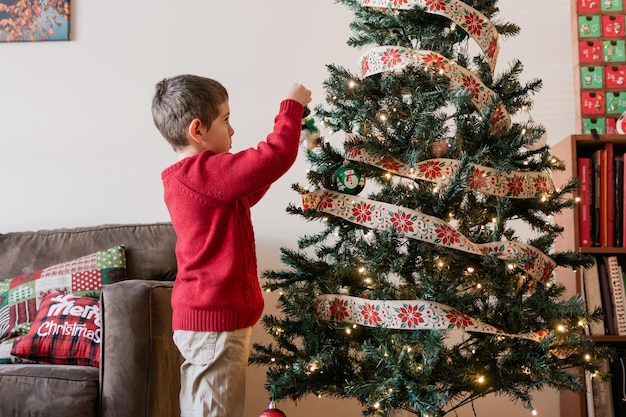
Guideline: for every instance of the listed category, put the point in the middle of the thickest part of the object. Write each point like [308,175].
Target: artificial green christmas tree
[418,294]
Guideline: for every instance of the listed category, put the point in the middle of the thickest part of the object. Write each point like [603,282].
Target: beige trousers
[213,375]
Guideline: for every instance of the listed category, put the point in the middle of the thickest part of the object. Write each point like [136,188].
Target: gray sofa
[139,366]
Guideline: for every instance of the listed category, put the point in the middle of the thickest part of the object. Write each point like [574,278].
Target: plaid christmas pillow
[66,331]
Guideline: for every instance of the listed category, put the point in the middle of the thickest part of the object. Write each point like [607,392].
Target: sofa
[138,372]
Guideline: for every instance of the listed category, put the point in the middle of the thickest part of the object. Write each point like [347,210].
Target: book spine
[618,382]
[596,158]
[607,301]
[584,205]
[617,293]
[609,195]
[593,297]
[619,201]
[602,393]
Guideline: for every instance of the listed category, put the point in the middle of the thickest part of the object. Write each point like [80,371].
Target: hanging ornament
[310,134]
[440,147]
[272,411]
[349,180]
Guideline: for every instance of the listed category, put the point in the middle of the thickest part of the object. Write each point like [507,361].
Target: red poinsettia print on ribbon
[403,222]
[435,5]
[431,170]
[515,186]
[362,213]
[474,23]
[338,310]
[371,314]
[410,315]
[446,235]
[458,320]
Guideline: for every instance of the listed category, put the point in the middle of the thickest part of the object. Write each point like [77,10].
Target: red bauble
[272,412]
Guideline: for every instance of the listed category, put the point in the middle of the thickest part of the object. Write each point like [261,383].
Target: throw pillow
[66,332]
[21,296]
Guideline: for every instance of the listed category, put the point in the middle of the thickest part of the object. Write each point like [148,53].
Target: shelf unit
[569,150]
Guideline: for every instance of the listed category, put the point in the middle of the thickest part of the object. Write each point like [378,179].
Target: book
[596,159]
[619,201]
[607,196]
[607,299]
[593,298]
[618,297]
[618,383]
[602,393]
[584,205]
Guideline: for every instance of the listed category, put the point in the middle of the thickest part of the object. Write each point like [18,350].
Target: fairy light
[388,176]
[511,266]
[348,330]
[470,269]
[376,405]
[382,117]
[588,357]
[523,131]
[361,270]
[479,286]
[480,379]
[577,199]
[560,328]
[352,84]
[534,412]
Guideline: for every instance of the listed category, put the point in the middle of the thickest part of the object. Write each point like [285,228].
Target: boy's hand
[299,93]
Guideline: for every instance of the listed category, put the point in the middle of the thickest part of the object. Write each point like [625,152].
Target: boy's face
[218,137]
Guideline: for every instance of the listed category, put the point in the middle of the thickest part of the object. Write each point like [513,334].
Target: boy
[217,297]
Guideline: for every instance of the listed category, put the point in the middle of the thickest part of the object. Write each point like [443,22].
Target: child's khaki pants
[213,376]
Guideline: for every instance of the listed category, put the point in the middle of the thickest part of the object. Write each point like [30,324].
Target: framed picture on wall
[34,20]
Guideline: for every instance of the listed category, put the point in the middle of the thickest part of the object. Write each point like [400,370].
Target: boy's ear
[195,131]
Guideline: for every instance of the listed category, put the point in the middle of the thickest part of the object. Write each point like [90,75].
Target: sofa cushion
[66,331]
[21,296]
[149,248]
[49,390]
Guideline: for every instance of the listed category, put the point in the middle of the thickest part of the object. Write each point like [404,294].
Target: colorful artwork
[34,20]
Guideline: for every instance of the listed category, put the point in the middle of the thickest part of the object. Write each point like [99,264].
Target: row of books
[604,286]
[600,211]
[607,397]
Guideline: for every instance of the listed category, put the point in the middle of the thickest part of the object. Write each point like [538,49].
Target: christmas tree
[418,294]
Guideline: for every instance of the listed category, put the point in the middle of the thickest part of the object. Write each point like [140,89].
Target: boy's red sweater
[209,198]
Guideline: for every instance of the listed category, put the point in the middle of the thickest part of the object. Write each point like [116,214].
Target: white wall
[78,146]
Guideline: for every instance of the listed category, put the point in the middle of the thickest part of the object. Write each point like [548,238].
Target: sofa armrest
[139,371]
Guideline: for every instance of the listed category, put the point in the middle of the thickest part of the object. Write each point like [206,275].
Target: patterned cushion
[21,296]
[66,331]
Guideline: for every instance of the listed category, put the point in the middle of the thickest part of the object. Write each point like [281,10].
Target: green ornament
[349,180]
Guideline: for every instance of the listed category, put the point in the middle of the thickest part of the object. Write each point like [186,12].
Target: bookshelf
[570,149]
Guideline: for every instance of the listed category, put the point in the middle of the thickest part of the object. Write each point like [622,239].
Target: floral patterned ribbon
[477,25]
[406,315]
[396,58]
[514,184]
[416,225]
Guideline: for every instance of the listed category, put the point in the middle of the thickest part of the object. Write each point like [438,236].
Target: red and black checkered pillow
[66,331]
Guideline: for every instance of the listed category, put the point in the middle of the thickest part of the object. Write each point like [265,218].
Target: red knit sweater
[209,198]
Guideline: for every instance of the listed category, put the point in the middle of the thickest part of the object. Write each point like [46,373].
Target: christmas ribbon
[406,315]
[396,58]
[416,225]
[474,23]
[514,184]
